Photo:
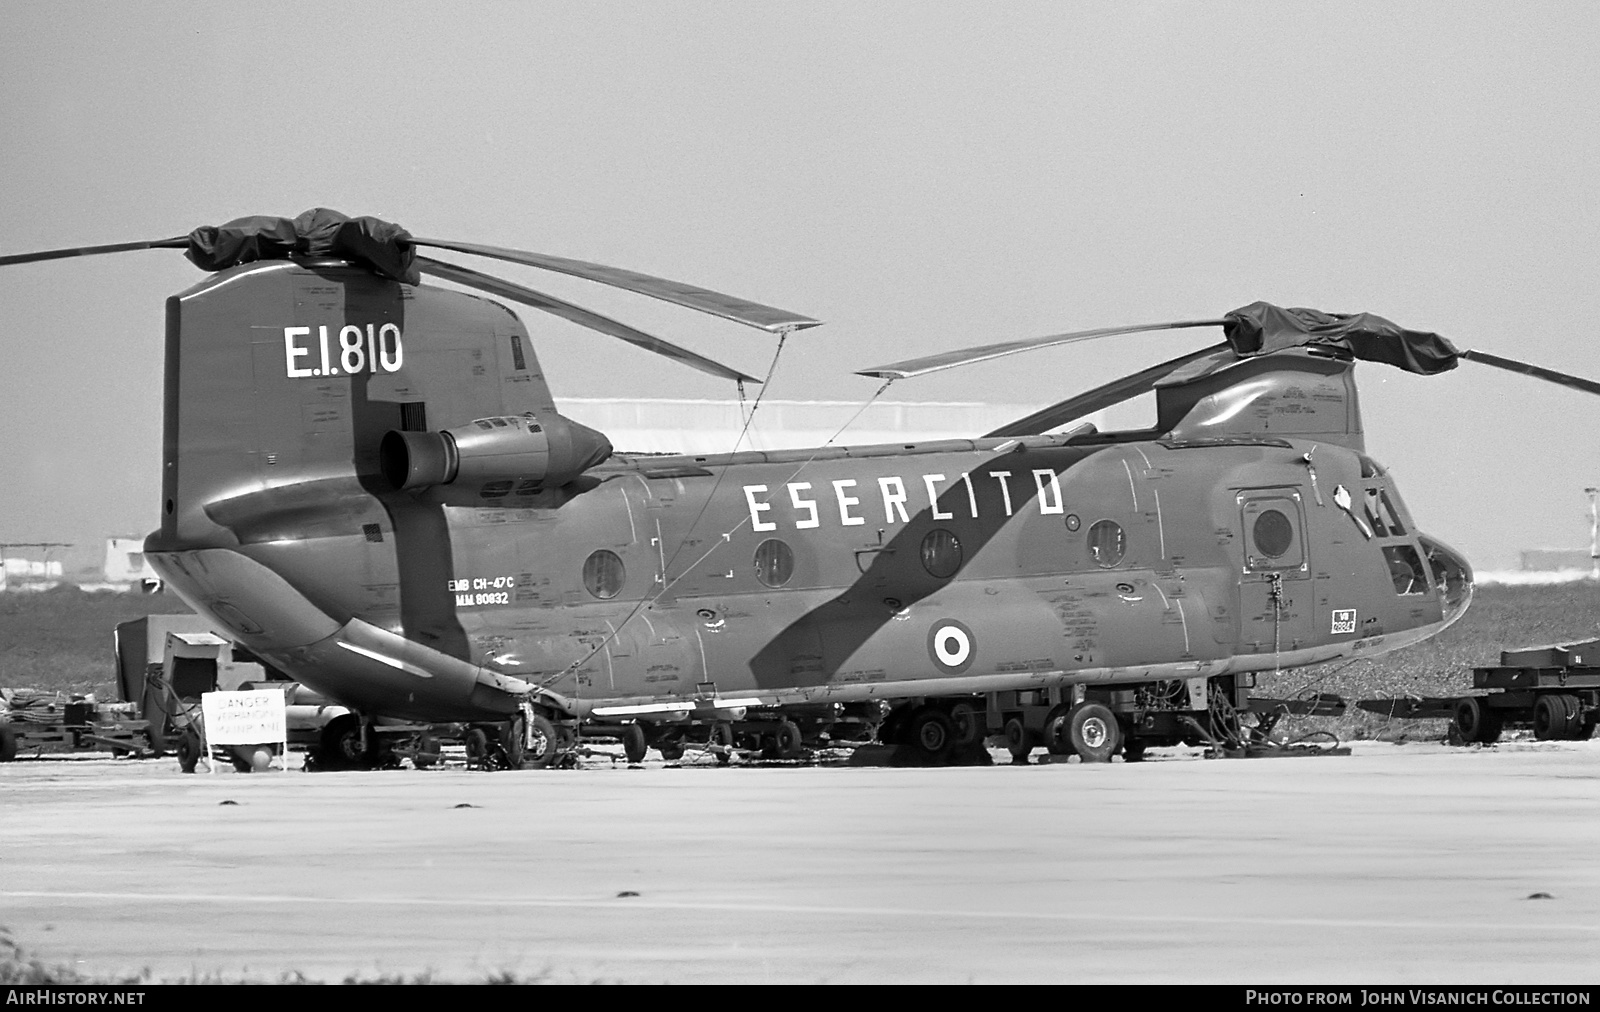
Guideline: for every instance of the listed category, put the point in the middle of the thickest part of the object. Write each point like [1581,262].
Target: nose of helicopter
[1452,574]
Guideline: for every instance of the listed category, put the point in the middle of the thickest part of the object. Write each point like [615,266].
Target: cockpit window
[1405,569]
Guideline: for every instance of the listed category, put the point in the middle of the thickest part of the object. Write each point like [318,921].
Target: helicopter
[367,484]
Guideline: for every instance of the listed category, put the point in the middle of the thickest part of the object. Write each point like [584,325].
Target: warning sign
[244,718]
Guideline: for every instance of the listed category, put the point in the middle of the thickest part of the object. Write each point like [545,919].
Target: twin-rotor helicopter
[366,484]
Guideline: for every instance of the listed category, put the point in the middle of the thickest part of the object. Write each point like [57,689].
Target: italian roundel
[951,645]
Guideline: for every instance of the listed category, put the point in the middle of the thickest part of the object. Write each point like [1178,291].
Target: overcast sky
[921,176]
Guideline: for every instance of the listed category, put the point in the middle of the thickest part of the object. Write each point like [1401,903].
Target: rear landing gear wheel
[634,744]
[968,725]
[1057,738]
[477,744]
[1094,733]
[1477,722]
[1019,741]
[789,743]
[930,732]
[426,751]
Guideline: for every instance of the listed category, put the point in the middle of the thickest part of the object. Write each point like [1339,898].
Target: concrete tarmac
[1405,864]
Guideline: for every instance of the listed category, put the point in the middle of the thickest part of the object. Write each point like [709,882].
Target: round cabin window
[774,562]
[1107,544]
[941,553]
[1273,533]
[603,574]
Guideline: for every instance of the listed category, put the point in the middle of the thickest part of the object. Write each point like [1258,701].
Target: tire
[1019,740]
[1057,739]
[546,744]
[188,751]
[1094,732]
[341,747]
[634,744]
[969,725]
[8,743]
[1133,750]
[789,743]
[512,753]
[671,749]
[1475,721]
[930,732]
[425,751]
[722,734]
[477,743]
[1555,717]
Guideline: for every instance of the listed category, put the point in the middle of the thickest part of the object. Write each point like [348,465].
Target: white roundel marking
[952,646]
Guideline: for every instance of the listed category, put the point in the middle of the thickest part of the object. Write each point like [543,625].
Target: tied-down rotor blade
[950,359]
[751,314]
[176,242]
[577,314]
[1537,372]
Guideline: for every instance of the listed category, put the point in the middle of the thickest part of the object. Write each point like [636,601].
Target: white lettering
[845,502]
[929,480]
[972,496]
[372,348]
[809,505]
[392,357]
[352,356]
[1005,490]
[893,501]
[322,339]
[1045,506]
[757,508]
[292,351]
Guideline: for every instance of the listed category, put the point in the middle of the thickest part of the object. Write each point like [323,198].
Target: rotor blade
[1101,397]
[176,242]
[1537,372]
[950,359]
[752,314]
[577,314]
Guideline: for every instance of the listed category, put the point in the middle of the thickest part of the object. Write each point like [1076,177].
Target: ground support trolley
[1553,690]
[37,723]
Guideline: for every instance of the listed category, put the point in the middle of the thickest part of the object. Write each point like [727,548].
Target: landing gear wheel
[633,743]
[1476,722]
[968,725]
[671,749]
[425,751]
[789,743]
[546,743]
[477,744]
[342,747]
[188,752]
[930,732]
[1094,732]
[1019,741]
[722,734]
[1555,717]
[511,750]
[1057,740]
[1133,750]
[8,743]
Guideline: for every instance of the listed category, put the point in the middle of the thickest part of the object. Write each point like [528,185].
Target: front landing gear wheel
[545,743]
[634,744]
[1057,739]
[789,743]
[1094,733]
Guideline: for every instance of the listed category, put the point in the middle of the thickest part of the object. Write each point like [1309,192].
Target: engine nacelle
[550,451]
